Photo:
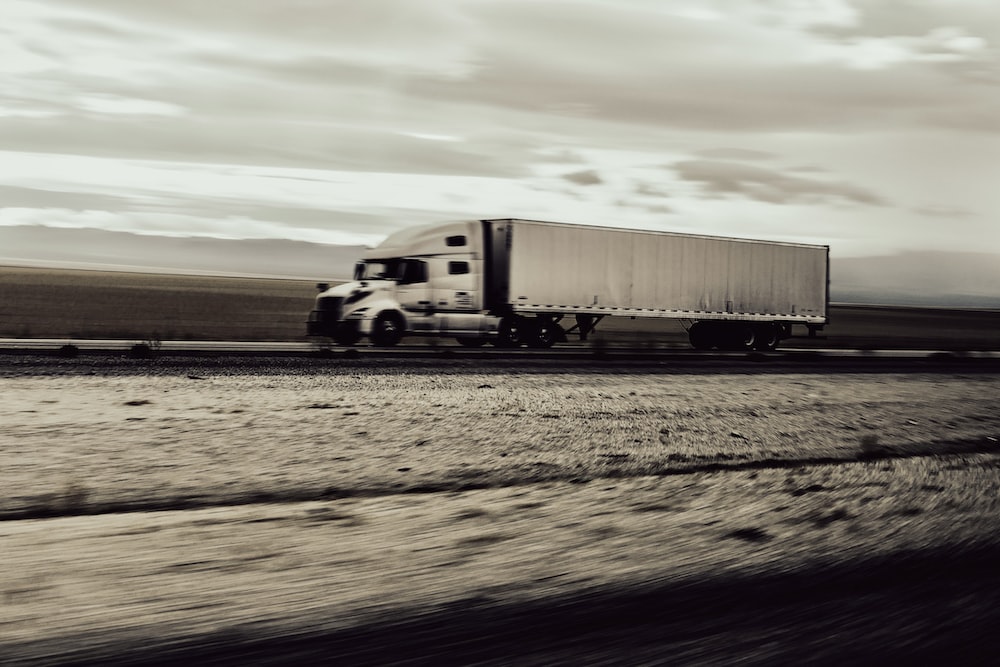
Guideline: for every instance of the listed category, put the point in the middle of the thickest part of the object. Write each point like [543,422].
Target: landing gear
[585,325]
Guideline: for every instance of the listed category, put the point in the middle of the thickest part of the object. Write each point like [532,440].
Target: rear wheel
[767,337]
[546,334]
[513,332]
[722,335]
[744,337]
[387,329]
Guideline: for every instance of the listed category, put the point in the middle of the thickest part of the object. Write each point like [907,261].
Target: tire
[546,333]
[471,342]
[514,332]
[744,337]
[767,337]
[387,329]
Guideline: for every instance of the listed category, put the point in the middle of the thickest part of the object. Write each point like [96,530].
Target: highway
[304,347]
[565,352]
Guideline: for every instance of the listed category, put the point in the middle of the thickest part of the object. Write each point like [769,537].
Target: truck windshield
[377,270]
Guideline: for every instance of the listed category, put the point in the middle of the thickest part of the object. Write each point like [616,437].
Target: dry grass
[690,480]
[52,303]
[186,440]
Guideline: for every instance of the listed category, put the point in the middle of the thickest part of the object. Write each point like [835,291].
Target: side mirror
[322,287]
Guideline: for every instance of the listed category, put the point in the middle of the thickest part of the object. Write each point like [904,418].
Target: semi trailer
[512,282]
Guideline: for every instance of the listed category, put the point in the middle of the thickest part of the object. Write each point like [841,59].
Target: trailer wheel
[745,337]
[387,329]
[729,336]
[767,337]
[471,342]
[513,332]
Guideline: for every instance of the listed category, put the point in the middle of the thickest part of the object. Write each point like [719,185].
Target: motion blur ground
[372,513]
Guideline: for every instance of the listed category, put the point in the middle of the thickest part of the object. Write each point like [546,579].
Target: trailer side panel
[572,268]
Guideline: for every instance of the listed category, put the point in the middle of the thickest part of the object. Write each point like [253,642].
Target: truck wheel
[767,337]
[387,329]
[546,334]
[513,332]
[471,342]
[745,337]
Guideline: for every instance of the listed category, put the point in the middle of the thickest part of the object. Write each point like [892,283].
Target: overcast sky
[870,126]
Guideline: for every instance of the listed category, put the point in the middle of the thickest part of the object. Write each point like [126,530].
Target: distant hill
[99,249]
[955,279]
[964,280]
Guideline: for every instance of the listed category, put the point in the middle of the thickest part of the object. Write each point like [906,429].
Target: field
[71,304]
[309,510]
[63,303]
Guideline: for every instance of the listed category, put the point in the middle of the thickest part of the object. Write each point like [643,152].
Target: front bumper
[320,324]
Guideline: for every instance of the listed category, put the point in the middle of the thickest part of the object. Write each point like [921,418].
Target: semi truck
[513,282]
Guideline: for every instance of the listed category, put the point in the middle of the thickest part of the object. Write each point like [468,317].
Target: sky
[871,126]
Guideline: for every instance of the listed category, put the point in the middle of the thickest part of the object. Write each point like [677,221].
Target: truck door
[412,288]
[455,283]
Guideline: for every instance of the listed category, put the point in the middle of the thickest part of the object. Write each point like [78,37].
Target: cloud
[736,154]
[563,156]
[587,177]
[946,44]
[387,101]
[650,190]
[332,81]
[114,104]
[22,197]
[753,182]
[943,211]
[656,209]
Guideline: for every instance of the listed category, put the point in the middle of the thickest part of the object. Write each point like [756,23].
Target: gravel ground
[428,515]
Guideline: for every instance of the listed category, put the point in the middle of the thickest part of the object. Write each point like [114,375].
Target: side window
[458,268]
[455,241]
[413,271]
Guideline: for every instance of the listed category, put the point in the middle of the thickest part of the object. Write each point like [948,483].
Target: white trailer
[514,282]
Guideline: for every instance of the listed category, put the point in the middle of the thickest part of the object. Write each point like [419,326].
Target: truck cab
[424,281]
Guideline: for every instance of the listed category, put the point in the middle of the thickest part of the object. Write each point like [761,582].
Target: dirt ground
[530,516]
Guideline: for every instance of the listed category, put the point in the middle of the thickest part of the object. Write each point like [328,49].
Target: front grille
[328,308]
